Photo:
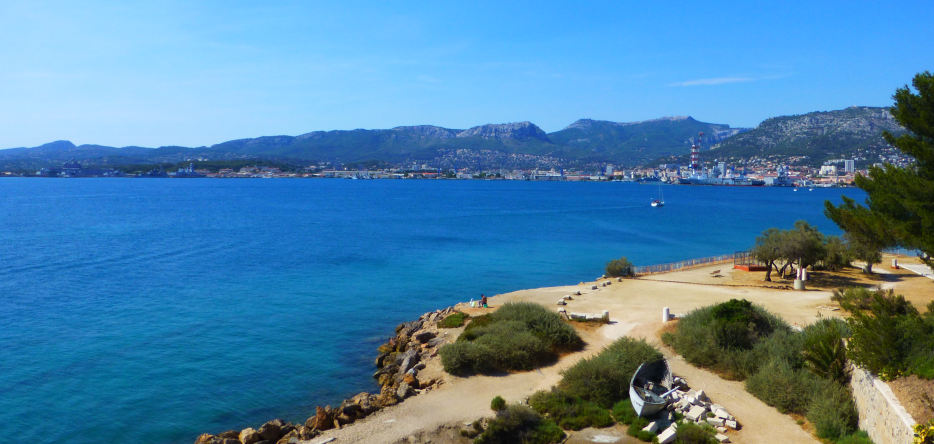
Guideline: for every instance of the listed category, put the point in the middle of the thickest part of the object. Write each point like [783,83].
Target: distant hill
[852,132]
[584,141]
[847,133]
[638,141]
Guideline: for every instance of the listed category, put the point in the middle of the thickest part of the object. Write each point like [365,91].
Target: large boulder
[290,438]
[205,438]
[411,380]
[425,336]
[271,431]
[435,342]
[404,391]
[323,419]
[409,359]
[230,434]
[249,436]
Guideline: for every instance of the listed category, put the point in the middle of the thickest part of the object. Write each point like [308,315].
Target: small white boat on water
[650,386]
[660,202]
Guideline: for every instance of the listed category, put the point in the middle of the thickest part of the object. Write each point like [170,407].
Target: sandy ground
[635,308]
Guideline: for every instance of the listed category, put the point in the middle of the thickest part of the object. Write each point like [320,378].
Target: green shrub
[543,323]
[620,268]
[636,427]
[520,424]
[604,378]
[729,337]
[833,412]
[690,433]
[624,412]
[783,387]
[571,413]
[454,320]
[859,437]
[825,351]
[518,336]
[497,404]
[889,337]
[645,436]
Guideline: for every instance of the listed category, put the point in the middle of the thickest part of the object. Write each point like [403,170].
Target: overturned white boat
[650,387]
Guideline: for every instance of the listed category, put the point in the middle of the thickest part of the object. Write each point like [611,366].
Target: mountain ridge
[584,141]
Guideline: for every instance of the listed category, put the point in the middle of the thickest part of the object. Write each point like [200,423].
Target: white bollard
[665,315]
[606,316]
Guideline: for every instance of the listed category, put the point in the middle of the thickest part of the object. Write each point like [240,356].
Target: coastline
[419,401]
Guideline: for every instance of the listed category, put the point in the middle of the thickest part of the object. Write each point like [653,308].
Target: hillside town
[757,171]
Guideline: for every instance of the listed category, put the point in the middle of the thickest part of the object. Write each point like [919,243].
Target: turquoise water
[150,311]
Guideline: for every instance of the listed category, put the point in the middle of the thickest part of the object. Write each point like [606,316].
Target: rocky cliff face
[506,131]
[853,127]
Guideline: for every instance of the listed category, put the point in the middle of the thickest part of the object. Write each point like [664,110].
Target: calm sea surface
[150,311]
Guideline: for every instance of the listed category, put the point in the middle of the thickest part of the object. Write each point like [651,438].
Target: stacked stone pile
[696,407]
[399,363]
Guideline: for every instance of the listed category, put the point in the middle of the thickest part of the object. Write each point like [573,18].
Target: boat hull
[648,384]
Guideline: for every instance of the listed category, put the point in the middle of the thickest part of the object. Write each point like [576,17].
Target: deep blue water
[150,311]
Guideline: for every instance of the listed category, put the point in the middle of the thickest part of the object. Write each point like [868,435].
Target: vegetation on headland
[620,268]
[795,372]
[592,393]
[804,246]
[454,320]
[517,336]
[890,337]
[899,207]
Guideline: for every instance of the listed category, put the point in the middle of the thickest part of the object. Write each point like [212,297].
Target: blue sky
[198,73]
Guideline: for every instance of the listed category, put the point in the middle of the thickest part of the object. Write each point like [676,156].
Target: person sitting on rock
[483,301]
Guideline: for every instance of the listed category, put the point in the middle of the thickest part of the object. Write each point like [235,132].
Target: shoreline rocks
[398,364]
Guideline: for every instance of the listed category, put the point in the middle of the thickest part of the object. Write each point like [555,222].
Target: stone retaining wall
[880,413]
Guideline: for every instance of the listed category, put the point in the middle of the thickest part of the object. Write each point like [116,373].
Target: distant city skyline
[199,73]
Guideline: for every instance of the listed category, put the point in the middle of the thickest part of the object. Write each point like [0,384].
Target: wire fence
[904,252]
[683,265]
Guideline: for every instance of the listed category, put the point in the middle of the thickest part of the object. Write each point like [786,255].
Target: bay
[151,311]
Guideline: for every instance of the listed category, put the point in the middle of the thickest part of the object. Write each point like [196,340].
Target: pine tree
[899,207]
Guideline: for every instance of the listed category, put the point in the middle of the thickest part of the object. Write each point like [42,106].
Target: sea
[154,310]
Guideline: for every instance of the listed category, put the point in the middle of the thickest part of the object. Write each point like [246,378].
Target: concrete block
[722,429]
[562,302]
[716,422]
[567,297]
[720,413]
[609,282]
[668,436]
[701,395]
[652,427]
[731,424]
[593,287]
[722,438]
[696,412]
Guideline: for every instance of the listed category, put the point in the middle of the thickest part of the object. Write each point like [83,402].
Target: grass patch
[691,433]
[604,378]
[624,412]
[518,336]
[571,413]
[454,320]
[520,424]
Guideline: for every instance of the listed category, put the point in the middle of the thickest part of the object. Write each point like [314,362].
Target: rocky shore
[407,365]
